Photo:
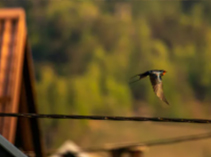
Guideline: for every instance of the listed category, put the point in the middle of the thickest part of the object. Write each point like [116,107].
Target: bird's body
[156,81]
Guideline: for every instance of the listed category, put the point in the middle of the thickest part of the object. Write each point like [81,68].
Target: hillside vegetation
[86,51]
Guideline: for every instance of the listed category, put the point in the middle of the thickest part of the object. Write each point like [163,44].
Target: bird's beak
[164,72]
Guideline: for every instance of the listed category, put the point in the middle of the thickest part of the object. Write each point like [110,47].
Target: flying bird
[156,81]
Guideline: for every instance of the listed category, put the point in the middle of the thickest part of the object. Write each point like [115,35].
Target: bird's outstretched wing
[142,75]
[158,87]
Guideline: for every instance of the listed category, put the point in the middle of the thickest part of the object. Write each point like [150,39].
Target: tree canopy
[86,51]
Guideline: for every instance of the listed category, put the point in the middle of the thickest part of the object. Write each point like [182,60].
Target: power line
[125,147]
[111,118]
[154,142]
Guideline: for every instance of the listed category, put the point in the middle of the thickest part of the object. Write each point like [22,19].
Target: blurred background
[84,53]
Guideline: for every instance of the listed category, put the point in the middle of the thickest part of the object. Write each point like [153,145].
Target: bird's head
[163,72]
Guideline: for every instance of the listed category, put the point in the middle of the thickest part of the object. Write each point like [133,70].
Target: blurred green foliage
[86,51]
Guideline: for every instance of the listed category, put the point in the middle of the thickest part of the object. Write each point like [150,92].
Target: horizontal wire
[153,142]
[147,143]
[121,118]
[111,118]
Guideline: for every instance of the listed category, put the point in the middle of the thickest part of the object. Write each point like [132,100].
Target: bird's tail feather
[131,82]
[140,77]
[135,76]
